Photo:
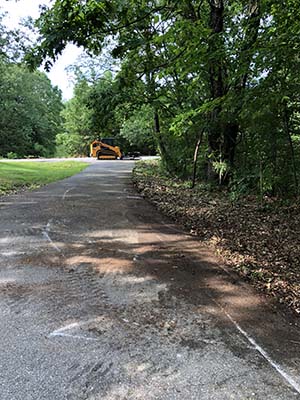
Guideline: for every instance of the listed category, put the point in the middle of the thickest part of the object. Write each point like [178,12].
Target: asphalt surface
[103,298]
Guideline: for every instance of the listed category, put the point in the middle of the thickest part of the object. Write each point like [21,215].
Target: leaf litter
[259,241]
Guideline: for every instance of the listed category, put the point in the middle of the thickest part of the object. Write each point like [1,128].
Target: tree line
[29,105]
[214,81]
[100,108]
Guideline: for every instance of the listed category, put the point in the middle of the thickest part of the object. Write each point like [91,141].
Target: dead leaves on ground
[261,243]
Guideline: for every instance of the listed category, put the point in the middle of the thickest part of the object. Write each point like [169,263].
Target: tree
[29,106]
[138,130]
[199,66]
[30,112]
[77,130]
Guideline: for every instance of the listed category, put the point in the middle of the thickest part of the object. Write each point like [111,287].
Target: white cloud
[23,8]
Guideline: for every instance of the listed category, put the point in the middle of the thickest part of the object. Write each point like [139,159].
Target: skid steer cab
[104,149]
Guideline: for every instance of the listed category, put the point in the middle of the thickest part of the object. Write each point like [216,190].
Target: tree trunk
[214,143]
[229,142]
[216,25]
[287,129]
[222,138]
[198,144]
[159,136]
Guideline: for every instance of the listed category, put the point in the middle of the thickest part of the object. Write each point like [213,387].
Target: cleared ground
[102,298]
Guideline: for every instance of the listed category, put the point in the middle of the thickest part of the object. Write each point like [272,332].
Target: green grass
[15,176]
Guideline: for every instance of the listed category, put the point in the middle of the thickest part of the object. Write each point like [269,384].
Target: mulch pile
[261,242]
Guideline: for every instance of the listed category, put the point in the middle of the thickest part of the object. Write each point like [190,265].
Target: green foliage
[13,43]
[30,106]
[226,69]
[70,145]
[77,130]
[30,112]
[103,108]
[102,101]
[138,130]
[11,155]
[221,168]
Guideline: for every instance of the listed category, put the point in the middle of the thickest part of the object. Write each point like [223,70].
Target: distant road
[83,159]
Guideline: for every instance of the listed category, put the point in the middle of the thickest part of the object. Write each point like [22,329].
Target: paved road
[103,298]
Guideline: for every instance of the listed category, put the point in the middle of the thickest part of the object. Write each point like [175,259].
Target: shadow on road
[149,311]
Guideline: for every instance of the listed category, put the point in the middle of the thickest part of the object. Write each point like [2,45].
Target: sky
[23,8]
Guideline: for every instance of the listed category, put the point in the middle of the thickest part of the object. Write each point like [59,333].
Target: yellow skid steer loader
[104,149]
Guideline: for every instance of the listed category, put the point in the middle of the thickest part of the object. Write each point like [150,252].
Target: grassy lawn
[15,176]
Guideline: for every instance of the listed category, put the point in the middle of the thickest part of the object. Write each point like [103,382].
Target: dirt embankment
[262,243]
